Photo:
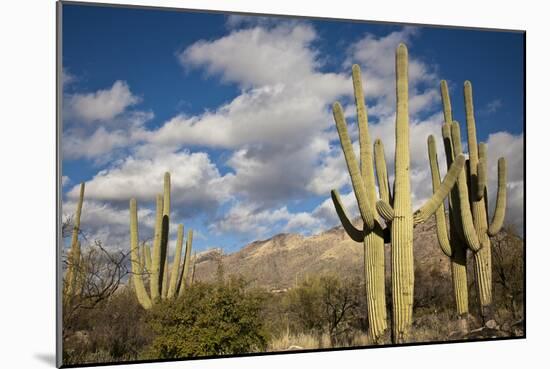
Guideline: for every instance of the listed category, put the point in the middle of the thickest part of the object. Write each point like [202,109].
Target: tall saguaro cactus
[479,200]
[157,265]
[468,205]
[396,210]
[364,186]
[400,215]
[74,255]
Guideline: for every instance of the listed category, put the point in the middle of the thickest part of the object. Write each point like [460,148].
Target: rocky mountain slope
[286,259]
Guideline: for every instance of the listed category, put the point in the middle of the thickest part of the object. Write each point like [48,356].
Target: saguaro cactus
[74,254]
[185,270]
[399,216]
[478,199]
[468,205]
[451,244]
[364,186]
[157,264]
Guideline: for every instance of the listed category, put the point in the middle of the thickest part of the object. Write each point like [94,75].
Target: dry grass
[304,341]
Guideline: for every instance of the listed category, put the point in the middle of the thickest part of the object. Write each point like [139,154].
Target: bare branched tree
[99,274]
[508,259]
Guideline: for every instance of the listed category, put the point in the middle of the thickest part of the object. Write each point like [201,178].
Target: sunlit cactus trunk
[176,263]
[402,224]
[74,254]
[399,214]
[182,283]
[137,268]
[156,281]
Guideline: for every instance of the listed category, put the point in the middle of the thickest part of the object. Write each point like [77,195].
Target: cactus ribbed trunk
[402,225]
[176,264]
[155,283]
[460,280]
[164,236]
[375,284]
[74,254]
[482,258]
[186,260]
[137,269]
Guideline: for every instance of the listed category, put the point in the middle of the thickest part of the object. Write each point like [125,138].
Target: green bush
[210,319]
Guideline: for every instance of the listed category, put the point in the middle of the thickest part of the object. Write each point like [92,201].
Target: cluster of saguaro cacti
[468,213]
[163,282]
[73,259]
[395,209]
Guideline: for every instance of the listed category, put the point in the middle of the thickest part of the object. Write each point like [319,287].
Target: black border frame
[59,129]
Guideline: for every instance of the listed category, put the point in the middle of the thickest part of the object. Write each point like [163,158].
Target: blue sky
[238,109]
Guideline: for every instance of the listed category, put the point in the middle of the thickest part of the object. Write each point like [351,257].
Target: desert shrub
[508,273]
[327,305]
[113,330]
[210,319]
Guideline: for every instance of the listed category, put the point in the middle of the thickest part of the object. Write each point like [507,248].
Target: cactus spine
[161,287]
[365,192]
[400,215]
[74,255]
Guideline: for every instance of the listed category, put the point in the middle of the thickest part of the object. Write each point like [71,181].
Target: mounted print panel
[240,184]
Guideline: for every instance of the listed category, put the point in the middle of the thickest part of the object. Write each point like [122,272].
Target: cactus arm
[155,267]
[354,233]
[139,286]
[164,257]
[148,262]
[385,211]
[186,260]
[500,207]
[440,221]
[447,111]
[471,126]
[365,147]
[192,281]
[481,177]
[164,237]
[382,171]
[356,179]
[468,228]
[430,207]
[176,263]
[142,258]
